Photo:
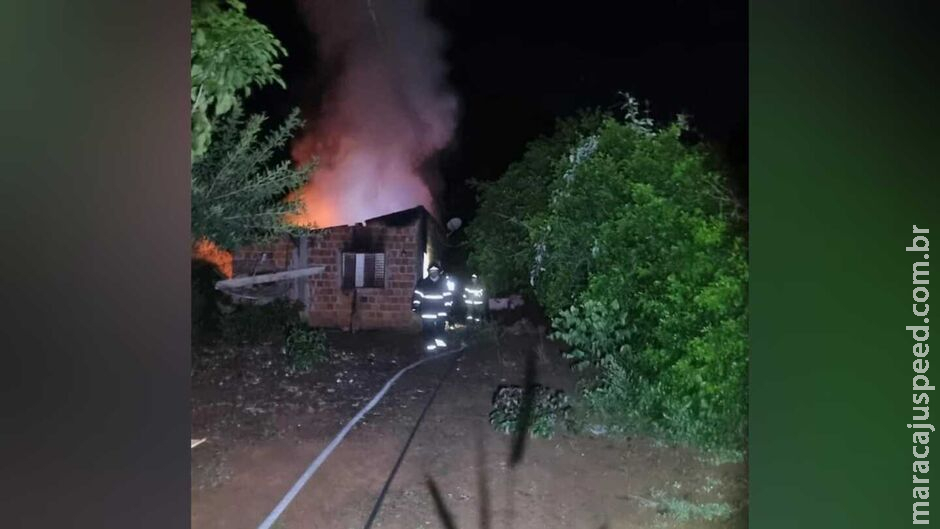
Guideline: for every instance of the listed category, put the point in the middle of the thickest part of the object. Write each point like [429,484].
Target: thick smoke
[386,112]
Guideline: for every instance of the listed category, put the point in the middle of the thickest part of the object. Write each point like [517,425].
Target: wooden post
[303,283]
[293,263]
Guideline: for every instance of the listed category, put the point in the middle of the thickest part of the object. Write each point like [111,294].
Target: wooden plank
[269,278]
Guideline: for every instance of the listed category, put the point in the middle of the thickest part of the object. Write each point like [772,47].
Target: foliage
[720,457]
[502,249]
[205,298]
[683,510]
[254,324]
[230,54]
[548,407]
[236,197]
[305,347]
[657,286]
[638,263]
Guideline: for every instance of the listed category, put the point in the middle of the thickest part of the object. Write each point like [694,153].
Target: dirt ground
[265,426]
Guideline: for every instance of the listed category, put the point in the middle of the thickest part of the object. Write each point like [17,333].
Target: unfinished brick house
[369,269]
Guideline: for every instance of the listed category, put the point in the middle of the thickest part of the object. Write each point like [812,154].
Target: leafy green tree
[238,192]
[637,257]
[231,54]
[503,250]
[238,197]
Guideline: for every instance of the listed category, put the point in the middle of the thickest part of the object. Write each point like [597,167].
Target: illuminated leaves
[238,196]
[230,54]
[630,243]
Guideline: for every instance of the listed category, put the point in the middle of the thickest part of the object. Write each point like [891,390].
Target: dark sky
[517,65]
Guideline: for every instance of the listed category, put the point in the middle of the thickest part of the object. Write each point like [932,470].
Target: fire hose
[411,436]
[312,468]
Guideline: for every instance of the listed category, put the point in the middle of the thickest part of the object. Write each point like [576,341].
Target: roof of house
[400,218]
[404,217]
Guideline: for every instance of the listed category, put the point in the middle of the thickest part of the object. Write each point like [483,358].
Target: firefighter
[433,301]
[451,284]
[474,300]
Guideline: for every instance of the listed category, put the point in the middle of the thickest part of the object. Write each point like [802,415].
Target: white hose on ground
[289,497]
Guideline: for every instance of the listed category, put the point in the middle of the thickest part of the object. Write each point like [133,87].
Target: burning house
[365,272]
[385,111]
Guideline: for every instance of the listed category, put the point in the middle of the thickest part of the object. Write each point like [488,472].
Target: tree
[503,250]
[237,198]
[231,53]
[632,244]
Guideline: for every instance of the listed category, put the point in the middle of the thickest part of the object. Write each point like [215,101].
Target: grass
[306,347]
[721,457]
[711,484]
[683,510]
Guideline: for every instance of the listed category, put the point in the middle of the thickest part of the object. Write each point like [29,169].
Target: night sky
[518,65]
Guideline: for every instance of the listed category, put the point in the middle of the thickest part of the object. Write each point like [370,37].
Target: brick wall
[331,305]
[262,258]
[375,308]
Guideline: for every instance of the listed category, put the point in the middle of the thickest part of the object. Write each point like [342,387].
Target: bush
[662,309]
[251,323]
[638,263]
[548,407]
[306,347]
[205,299]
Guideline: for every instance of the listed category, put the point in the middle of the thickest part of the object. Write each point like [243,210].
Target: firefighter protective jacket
[432,299]
[473,296]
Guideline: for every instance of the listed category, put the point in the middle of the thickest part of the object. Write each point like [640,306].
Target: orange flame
[384,114]
[206,250]
[314,213]
[355,182]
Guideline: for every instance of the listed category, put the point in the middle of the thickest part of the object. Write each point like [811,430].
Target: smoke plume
[387,110]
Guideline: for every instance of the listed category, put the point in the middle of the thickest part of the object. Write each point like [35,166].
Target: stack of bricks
[375,308]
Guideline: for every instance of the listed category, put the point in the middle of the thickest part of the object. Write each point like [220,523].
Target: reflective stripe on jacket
[431,298]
